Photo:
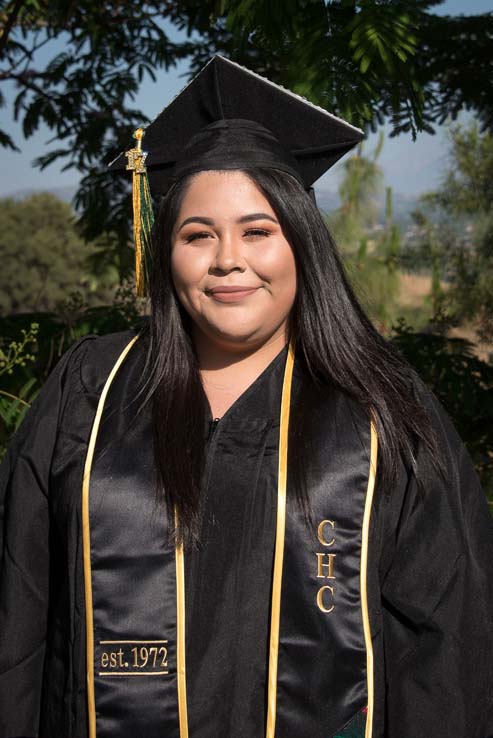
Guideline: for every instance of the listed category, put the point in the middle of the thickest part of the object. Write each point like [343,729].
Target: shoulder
[81,370]
[95,357]
[442,495]
[452,455]
[85,366]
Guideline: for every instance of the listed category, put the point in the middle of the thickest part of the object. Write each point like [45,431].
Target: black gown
[430,574]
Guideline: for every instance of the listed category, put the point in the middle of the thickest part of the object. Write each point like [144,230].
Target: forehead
[223,192]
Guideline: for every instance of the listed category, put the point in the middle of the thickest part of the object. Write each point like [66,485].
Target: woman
[291,578]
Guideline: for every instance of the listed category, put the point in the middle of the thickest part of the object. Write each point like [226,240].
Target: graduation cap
[228,117]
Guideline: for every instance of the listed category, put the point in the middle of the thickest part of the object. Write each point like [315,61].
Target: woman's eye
[197,236]
[257,232]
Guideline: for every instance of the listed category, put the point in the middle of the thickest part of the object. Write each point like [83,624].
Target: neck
[227,374]
[215,357]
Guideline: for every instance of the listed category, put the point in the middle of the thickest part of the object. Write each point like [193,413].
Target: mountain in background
[63,193]
[403,205]
[327,200]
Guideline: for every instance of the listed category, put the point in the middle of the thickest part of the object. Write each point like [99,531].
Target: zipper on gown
[213,425]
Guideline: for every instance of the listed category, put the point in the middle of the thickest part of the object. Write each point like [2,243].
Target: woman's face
[232,267]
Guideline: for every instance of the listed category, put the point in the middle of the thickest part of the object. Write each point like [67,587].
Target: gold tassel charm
[143,213]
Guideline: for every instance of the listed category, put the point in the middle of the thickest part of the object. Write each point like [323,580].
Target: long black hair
[333,336]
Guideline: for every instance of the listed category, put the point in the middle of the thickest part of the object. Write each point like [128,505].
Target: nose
[228,256]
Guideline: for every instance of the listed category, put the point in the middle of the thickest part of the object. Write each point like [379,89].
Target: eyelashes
[251,233]
[196,237]
[261,232]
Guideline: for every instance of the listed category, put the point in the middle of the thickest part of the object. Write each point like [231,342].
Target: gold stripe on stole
[180,640]
[86,542]
[363,578]
[279,547]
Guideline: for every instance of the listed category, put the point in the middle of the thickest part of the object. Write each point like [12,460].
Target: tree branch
[14,397]
[8,26]
[25,79]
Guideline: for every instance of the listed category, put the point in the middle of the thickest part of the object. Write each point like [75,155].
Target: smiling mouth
[231,294]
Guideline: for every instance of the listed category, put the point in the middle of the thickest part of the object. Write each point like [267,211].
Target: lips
[231,293]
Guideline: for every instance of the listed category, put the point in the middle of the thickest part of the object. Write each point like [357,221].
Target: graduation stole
[320,669]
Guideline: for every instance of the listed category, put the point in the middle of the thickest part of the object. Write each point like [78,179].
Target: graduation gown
[428,576]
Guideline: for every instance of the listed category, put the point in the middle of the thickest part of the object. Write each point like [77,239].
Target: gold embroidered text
[325,566]
[133,658]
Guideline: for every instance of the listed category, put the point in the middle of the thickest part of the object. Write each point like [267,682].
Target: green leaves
[31,344]
[82,92]
[13,406]
[454,233]
[464,385]
[382,33]
[16,353]
[44,257]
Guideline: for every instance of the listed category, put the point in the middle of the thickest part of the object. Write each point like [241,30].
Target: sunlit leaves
[382,32]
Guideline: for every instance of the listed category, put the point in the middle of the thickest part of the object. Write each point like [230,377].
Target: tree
[369,252]
[363,59]
[43,257]
[454,234]
[359,188]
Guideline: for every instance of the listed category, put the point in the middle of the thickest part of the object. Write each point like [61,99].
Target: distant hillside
[327,200]
[403,205]
[63,193]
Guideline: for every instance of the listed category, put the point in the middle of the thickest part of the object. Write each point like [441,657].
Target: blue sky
[409,167]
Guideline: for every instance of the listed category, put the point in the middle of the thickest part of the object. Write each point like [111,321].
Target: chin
[237,335]
[241,337]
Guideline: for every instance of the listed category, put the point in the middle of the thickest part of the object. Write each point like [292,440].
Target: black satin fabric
[133,573]
[235,144]
[322,679]
[430,576]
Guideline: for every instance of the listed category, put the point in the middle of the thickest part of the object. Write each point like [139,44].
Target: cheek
[187,269]
[278,267]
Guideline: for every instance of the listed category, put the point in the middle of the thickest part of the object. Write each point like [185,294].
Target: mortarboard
[228,117]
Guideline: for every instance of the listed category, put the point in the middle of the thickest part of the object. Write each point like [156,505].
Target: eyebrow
[210,222]
[256,216]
